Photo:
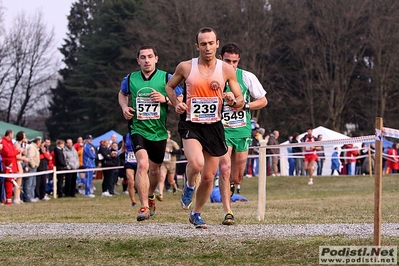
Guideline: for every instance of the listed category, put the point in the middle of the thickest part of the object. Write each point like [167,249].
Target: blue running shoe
[187,197]
[196,220]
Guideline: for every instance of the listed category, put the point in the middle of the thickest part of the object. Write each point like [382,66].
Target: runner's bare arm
[123,103]
[174,81]
[230,75]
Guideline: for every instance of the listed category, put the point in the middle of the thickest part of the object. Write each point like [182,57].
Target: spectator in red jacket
[9,154]
[393,160]
[351,155]
[79,144]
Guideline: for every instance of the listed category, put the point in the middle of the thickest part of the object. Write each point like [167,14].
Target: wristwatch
[166,99]
[246,106]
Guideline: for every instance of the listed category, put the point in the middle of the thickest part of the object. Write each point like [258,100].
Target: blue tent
[97,140]
[385,143]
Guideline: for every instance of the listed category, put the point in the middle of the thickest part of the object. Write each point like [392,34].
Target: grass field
[332,199]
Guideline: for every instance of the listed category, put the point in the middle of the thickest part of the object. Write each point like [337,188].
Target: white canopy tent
[328,134]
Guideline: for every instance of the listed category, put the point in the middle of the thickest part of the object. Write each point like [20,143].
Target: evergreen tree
[62,123]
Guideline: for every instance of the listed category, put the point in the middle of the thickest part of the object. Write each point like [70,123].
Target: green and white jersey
[237,124]
[149,120]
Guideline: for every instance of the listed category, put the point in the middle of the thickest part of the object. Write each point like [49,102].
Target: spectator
[79,144]
[367,164]
[115,162]
[47,142]
[393,161]
[297,152]
[41,180]
[80,156]
[321,156]
[29,183]
[104,152]
[291,160]
[21,142]
[89,157]
[335,162]
[351,155]
[72,163]
[60,163]
[274,152]
[363,155]
[9,162]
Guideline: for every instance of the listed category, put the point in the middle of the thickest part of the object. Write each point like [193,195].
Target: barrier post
[55,182]
[378,185]
[262,181]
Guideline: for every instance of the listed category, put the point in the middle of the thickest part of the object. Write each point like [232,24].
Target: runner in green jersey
[148,130]
[237,126]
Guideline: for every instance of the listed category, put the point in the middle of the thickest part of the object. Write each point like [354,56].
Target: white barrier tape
[370,138]
[389,132]
[58,172]
[26,174]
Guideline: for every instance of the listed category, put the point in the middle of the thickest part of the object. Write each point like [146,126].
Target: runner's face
[147,61]
[231,59]
[207,45]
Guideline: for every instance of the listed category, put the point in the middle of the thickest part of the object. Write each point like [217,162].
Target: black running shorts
[211,136]
[155,149]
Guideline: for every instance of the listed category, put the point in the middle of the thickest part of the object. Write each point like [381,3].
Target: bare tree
[27,69]
[382,61]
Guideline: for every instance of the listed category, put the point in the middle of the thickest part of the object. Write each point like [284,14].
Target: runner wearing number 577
[148,127]
[237,129]
[200,125]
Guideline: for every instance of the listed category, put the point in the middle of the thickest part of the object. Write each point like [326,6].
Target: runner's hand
[128,112]
[181,108]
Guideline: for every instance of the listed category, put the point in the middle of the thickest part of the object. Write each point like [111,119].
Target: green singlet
[237,124]
[149,120]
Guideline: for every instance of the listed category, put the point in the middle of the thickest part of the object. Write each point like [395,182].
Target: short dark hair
[231,48]
[203,30]
[20,135]
[145,47]
[8,132]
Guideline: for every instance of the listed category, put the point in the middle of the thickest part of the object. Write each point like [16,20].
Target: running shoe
[228,218]
[133,204]
[196,220]
[143,214]
[151,203]
[232,188]
[159,197]
[310,182]
[187,197]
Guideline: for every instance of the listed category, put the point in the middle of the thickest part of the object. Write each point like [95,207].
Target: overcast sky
[55,14]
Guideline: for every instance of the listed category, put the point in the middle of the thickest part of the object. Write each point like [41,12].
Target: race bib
[204,109]
[233,119]
[130,158]
[167,156]
[147,109]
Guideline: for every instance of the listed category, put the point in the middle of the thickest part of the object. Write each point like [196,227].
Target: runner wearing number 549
[148,128]
[200,125]
[237,129]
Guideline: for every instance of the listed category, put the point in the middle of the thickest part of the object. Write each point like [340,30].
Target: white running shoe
[310,182]
[17,201]
[45,198]
[106,194]
[90,196]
